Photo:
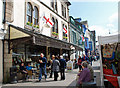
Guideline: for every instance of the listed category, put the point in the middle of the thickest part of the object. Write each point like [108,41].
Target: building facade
[76,37]
[34,27]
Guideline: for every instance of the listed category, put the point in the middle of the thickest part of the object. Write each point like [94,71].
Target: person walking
[79,63]
[55,66]
[51,72]
[62,67]
[43,62]
[84,75]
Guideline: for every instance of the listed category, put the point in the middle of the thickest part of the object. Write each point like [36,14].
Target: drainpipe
[3,57]
[4,20]
[4,8]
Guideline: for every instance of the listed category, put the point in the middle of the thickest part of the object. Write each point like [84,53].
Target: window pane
[62,11]
[35,16]
[35,13]
[56,26]
[52,3]
[65,12]
[29,9]
[53,28]
[56,5]
[29,13]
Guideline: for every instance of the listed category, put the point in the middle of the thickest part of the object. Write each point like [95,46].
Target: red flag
[48,21]
[82,38]
[65,30]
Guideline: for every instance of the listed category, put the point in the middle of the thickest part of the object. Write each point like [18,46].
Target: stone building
[76,37]
[34,27]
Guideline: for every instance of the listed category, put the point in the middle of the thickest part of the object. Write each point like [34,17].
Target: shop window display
[111,62]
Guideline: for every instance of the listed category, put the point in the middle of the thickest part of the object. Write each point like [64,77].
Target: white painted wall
[19,16]
[19,12]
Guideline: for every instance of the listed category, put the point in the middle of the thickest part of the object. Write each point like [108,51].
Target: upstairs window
[29,12]
[56,26]
[63,11]
[65,37]
[74,37]
[35,16]
[53,28]
[54,4]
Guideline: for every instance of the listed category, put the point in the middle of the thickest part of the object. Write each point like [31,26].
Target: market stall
[109,48]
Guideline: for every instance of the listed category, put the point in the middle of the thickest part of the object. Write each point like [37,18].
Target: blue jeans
[42,69]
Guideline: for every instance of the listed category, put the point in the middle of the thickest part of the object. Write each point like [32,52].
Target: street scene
[59,43]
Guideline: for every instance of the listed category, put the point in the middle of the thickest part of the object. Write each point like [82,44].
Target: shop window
[29,12]
[35,16]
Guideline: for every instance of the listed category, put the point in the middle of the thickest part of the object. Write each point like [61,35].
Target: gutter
[3,58]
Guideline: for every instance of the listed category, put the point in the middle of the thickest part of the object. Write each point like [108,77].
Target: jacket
[62,63]
[55,65]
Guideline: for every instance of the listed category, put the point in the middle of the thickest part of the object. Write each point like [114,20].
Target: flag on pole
[65,30]
[47,21]
[84,28]
[82,38]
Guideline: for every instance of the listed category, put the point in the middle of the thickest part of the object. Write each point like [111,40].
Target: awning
[38,39]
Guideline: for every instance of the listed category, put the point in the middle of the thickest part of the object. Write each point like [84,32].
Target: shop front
[110,60]
[25,46]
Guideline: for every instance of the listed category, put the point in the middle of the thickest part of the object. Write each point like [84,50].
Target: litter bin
[13,75]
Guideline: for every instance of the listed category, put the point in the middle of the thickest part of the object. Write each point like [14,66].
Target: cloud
[110,25]
[100,30]
[103,31]
[113,18]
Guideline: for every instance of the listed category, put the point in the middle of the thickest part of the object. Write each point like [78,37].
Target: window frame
[35,18]
[63,9]
[29,15]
